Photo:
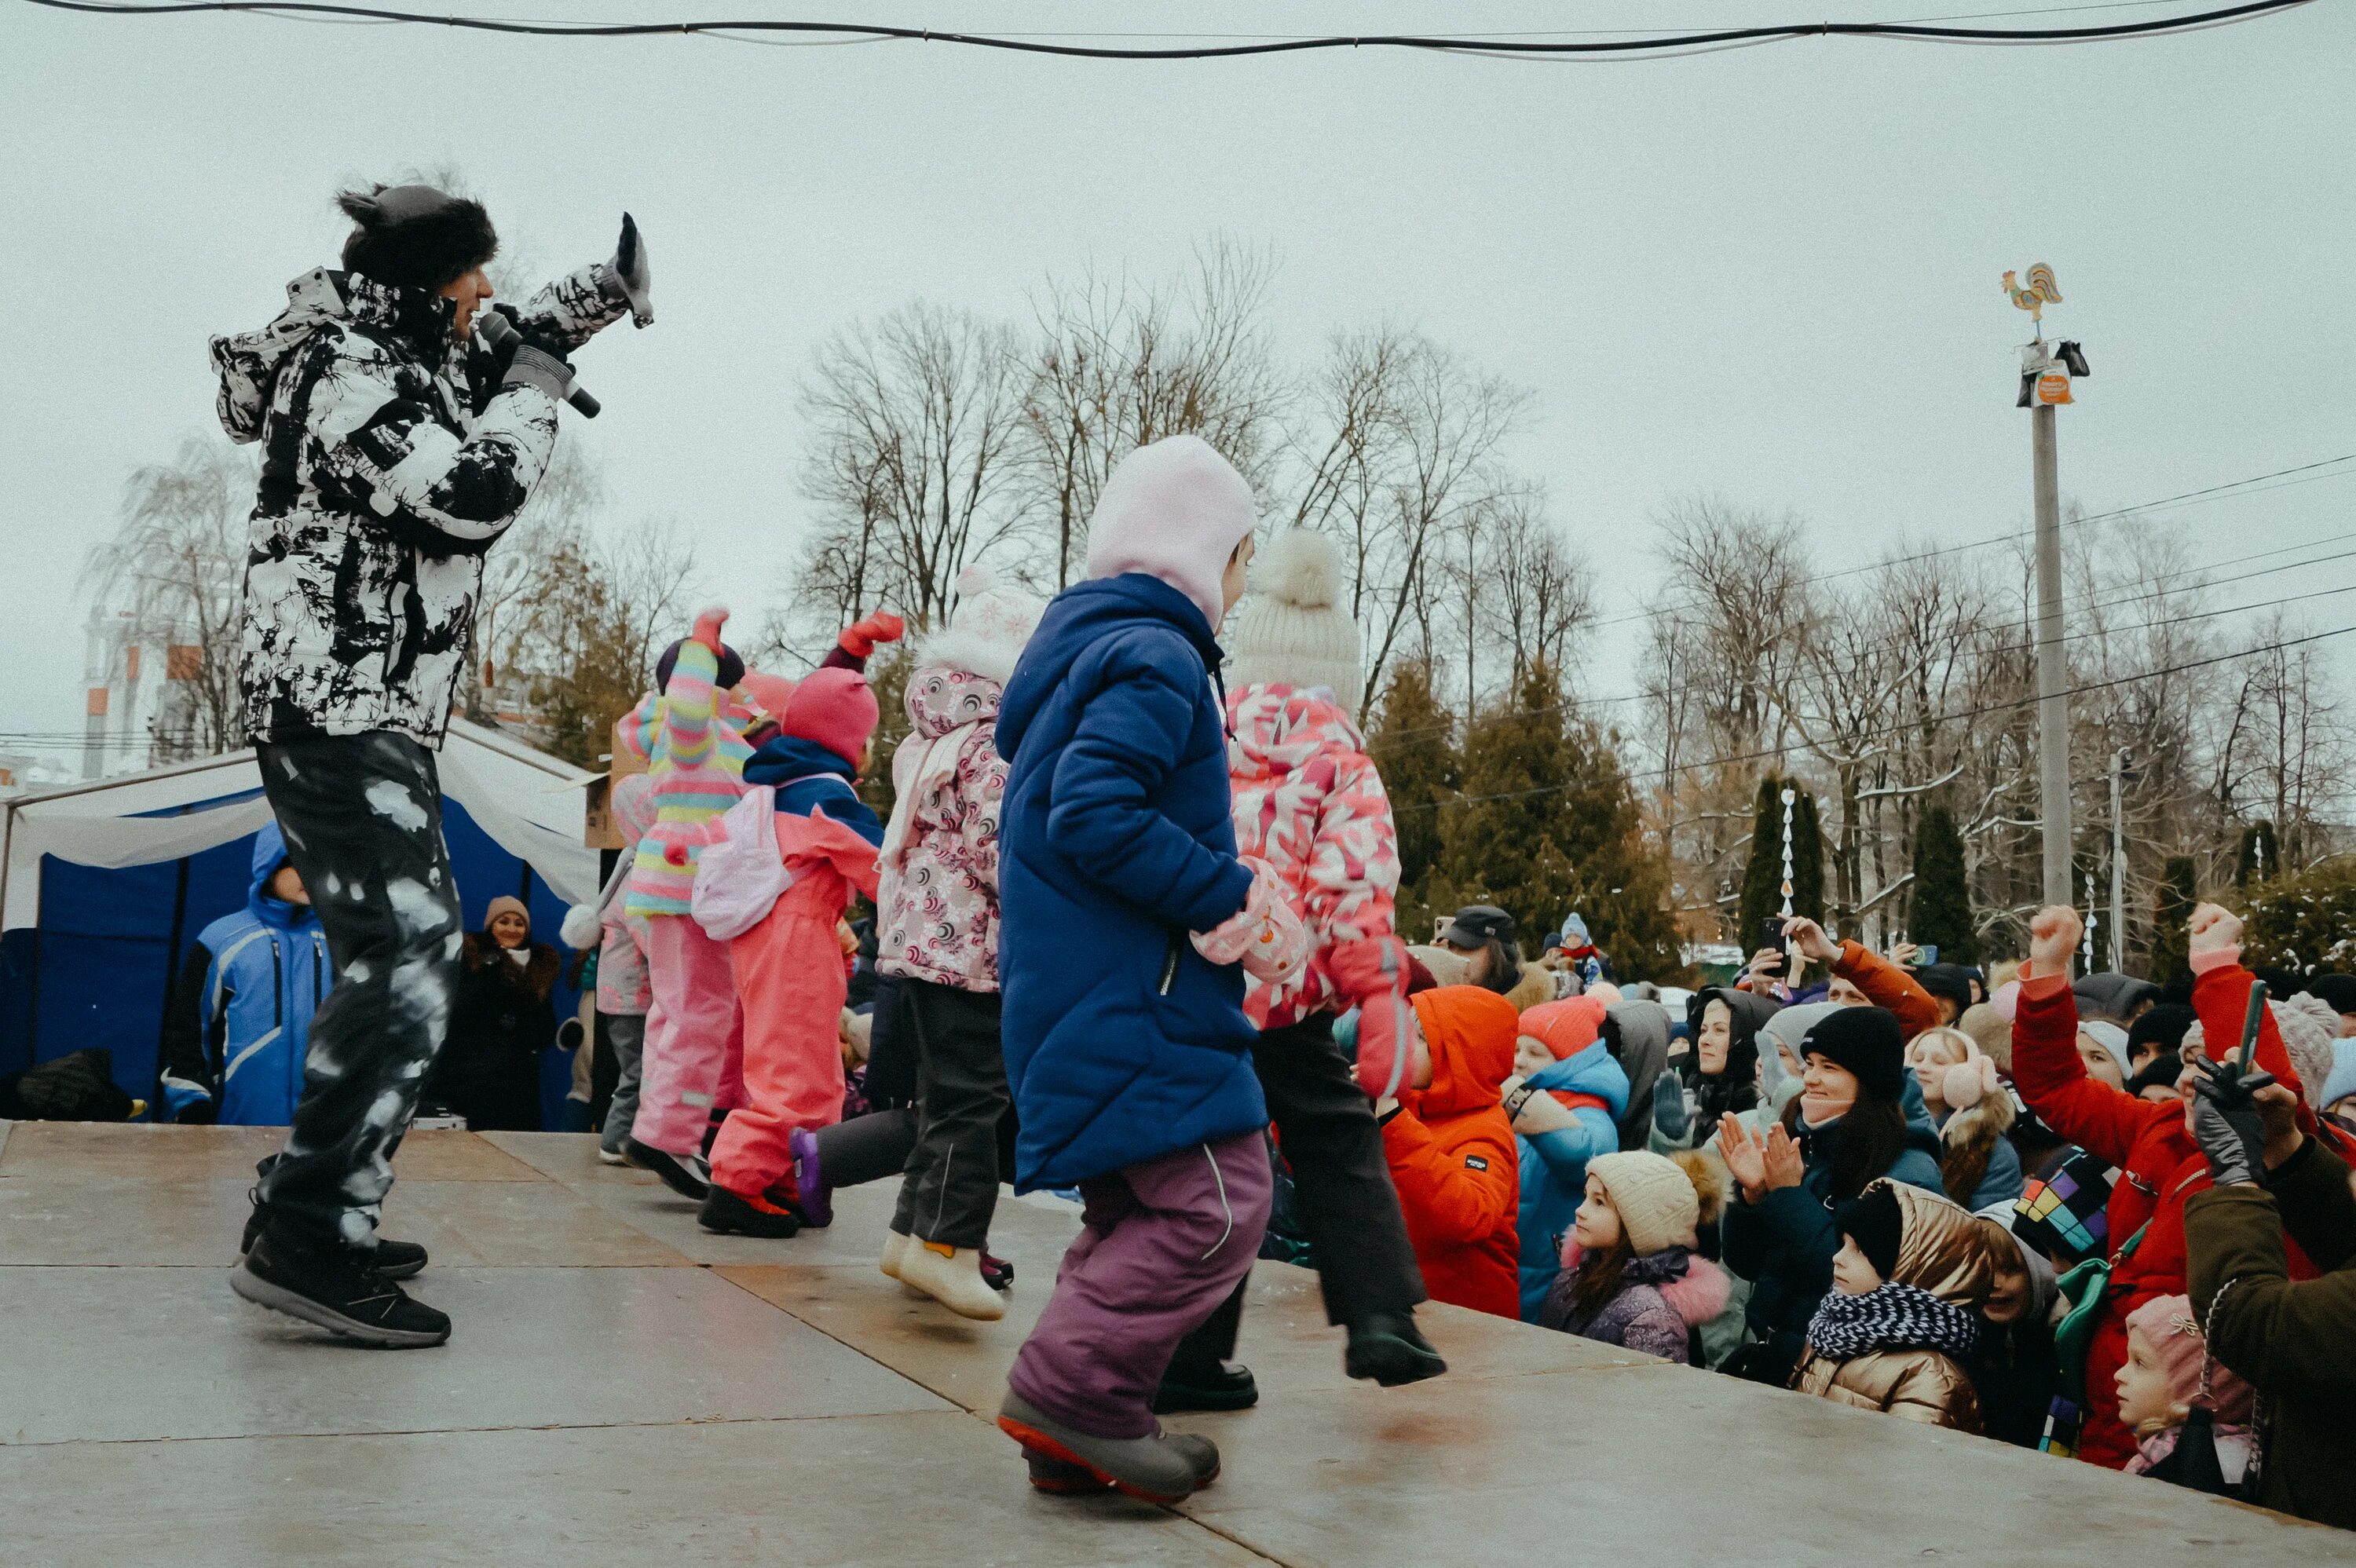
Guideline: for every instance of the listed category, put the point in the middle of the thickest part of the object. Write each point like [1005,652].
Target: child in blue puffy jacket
[1126,1049]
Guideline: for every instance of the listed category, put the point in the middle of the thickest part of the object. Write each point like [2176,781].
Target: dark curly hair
[414,237]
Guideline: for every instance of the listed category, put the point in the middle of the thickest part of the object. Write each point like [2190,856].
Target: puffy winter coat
[1784,1242]
[624,988]
[1450,1148]
[1122,1043]
[239,1024]
[1939,1251]
[2158,1165]
[1309,802]
[1554,1165]
[809,778]
[939,910]
[392,458]
[1663,1299]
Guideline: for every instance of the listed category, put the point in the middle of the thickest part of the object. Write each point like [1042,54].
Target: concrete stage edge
[623,1388]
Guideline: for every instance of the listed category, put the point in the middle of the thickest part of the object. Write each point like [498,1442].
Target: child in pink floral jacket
[1309,802]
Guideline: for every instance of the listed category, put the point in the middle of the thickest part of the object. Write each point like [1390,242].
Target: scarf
[1891,1316]
[918,768]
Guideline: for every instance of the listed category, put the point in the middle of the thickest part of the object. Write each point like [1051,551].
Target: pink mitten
[1265,936]
[1371,974]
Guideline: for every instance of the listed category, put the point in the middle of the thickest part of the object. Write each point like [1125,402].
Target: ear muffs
[1970,1080]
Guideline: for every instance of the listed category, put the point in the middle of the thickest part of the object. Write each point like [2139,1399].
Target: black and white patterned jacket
[391,459]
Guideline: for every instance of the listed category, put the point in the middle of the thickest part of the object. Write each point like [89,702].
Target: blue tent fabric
[98,969]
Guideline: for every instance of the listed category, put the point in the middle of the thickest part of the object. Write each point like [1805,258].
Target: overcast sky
[1770,274]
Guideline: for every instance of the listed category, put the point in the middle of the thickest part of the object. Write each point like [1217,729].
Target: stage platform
[623,1389]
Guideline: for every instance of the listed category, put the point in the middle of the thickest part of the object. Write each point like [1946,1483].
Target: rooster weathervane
[2042,292]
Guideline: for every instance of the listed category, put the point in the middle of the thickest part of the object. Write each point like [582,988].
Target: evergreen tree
[1551,825]
[1762,874]
[1413,743]
[2260,856]
[1939,905]
[2169,965]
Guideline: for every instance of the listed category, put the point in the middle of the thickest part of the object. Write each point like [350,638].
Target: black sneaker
[732,1213]
[332,1286]
[394,1260]
[1222,1385]
[1389,1348]
[684,1177]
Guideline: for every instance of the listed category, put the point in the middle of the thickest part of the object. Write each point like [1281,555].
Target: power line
[1521,47]
[2211,492]
[1961,713]
[1658,692]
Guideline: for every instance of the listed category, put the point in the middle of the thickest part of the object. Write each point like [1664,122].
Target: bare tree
[174,571]
[1117,364]
[915,420]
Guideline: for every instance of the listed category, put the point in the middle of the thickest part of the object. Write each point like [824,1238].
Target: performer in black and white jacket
[397,447]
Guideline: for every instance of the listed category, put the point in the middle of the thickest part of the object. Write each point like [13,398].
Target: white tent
[528,803]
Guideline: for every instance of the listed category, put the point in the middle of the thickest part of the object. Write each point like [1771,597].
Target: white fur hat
[1293,631]
[987,630]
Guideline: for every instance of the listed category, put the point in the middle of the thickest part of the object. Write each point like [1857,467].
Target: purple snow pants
[1162,1244]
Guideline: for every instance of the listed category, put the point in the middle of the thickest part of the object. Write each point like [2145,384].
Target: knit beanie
[768,693]
[504,905]
[1868,1042]
[1293,631]
[2111,1038]
[1175,511]
[1655,1199]
[2309,1025]
[415,237]
[987,629]
[1565,1027]
[2168,1323]
[2341,1080]
[1875,1222]
[2339,990]
[2162,1026]
[732,666]
[835,708]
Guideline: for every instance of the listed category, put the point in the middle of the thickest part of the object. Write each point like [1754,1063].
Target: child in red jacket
[1452,1153]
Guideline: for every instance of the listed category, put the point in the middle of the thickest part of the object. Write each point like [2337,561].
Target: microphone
[500,334]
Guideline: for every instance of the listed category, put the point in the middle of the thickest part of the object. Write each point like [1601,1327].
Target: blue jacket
[806,775]
[239,1023]
[1554,1165]
[1122,1043]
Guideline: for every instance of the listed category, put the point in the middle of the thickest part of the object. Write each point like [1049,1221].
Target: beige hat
[1659,1206]
[1293,630]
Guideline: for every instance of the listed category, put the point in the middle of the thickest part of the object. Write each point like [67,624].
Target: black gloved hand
[196,1113]
[627,278]
[530,360]
[2227,1123]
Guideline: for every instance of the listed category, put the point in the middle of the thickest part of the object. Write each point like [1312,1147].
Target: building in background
[139,710]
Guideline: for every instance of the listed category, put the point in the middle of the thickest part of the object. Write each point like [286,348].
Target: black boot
[1216,1385]
[334,1286]
[732,1213]
[687,1177]
[1390,1349]
[394,1260]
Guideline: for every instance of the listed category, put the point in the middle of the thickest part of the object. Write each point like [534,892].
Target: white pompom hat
[986,632]
[1292,630]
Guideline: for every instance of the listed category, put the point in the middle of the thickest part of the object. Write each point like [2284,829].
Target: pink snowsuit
[789,977]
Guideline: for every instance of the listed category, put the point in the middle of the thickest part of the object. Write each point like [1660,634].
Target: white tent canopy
[528,803]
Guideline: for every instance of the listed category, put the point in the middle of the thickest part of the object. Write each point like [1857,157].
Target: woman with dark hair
[502,1020]
[1719,1077]
[1483,935]
[1847,1129]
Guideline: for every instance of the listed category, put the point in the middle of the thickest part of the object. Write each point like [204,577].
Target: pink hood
[1175,511]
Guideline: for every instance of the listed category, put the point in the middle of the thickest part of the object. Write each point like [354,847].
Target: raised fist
[2054,935]
[2213,927]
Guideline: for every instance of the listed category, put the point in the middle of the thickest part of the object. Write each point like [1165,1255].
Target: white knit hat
[987,630]
[1657,1204]
[1293,631]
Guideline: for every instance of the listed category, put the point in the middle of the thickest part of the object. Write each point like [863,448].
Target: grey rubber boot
[1158,1469]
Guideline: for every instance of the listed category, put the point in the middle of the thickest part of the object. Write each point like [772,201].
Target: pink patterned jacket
[939,901]
[1309,802]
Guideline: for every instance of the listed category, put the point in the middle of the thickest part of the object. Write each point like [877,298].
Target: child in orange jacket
[1450,1148]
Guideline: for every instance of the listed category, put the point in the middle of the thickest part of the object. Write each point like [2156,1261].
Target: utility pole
[2118,866]
[2044,385]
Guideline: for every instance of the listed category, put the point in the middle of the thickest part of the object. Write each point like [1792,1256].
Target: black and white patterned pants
[362,815]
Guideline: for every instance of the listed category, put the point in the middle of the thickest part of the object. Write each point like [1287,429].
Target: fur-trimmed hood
[1694,1288]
